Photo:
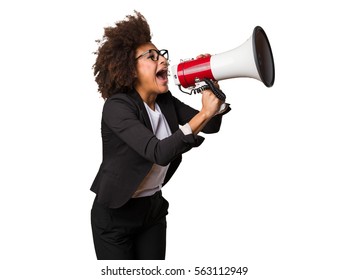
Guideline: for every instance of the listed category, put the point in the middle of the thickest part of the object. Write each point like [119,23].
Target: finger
[216,84]
[203,55]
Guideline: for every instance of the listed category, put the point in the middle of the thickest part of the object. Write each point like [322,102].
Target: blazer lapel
[141,107]
[168,110]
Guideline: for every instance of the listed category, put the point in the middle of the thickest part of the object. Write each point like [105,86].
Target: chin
[163,89]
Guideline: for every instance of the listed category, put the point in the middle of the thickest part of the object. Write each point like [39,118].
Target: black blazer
[130,147]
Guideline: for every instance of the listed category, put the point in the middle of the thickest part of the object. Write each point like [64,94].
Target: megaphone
[253,59]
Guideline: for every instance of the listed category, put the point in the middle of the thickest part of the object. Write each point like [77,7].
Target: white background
[267,192]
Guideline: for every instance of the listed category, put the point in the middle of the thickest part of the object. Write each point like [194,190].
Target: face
[152,76]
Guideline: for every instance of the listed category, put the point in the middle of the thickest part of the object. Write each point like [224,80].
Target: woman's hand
[203,55]
[210,103]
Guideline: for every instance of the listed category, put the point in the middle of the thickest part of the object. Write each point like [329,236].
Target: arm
[123,117]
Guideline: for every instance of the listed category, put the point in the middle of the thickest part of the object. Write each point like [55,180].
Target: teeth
[162,73]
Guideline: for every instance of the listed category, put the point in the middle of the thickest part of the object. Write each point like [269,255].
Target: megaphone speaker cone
[263,56]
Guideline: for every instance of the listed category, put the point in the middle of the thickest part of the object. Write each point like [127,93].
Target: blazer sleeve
[124,118]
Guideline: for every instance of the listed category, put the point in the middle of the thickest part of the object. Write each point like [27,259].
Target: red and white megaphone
[253,59]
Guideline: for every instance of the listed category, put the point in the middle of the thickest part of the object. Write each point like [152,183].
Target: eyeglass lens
[154,54]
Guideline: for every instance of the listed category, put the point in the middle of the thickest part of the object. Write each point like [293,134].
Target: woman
[142,141]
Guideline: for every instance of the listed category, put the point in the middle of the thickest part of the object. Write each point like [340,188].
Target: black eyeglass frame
[162,52]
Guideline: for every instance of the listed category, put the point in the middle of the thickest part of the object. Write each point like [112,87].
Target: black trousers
[135,231]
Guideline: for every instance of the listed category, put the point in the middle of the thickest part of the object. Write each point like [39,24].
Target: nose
[163,60]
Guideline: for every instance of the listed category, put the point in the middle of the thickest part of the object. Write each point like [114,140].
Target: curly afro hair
[114,69]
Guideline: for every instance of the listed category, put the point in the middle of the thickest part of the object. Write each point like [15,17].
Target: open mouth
[162,75]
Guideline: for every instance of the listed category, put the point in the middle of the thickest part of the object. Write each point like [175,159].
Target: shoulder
[120,104]
[119,97]
[131,99]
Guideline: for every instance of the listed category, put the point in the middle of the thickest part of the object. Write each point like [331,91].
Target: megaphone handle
[218,92]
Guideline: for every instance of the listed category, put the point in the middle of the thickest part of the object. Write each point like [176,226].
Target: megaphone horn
[253,59]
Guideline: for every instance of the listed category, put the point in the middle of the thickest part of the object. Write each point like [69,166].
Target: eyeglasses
[154,54]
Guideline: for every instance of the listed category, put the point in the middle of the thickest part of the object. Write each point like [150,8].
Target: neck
[148,98]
